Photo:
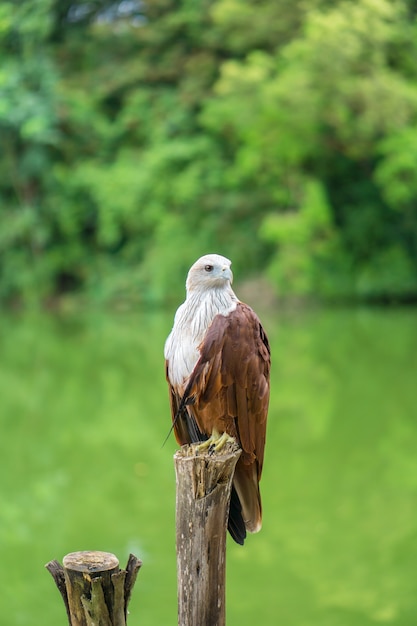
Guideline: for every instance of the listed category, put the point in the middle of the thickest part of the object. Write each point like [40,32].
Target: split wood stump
[204,483]
[96,592]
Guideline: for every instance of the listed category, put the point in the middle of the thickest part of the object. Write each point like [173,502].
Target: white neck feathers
[200,308]
[191,323]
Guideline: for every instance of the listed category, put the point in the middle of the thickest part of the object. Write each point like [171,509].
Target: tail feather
[245,482]
[236,525]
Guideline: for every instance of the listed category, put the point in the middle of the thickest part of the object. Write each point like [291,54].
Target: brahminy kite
[217,366]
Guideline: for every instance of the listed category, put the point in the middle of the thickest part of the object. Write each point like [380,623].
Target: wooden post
[95,590]
[204,482]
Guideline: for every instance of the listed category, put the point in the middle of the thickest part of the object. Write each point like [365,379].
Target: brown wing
[229,391]
[229,387]
[183,422]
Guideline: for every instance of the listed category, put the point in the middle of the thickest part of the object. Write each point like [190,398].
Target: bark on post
[96,592]
[204,482]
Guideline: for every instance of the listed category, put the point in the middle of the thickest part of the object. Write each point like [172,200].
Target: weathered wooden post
[204,482]
[96,592]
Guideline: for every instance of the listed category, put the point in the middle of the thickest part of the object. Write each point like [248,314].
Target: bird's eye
[208,268]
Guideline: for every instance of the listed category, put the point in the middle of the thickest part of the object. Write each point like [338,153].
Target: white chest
[191,323]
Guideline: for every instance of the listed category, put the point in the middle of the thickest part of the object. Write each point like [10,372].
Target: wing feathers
[230,390]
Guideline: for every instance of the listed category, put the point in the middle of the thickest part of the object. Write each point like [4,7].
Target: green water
[84,413]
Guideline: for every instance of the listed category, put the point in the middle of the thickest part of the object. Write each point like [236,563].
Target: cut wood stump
[96,592]
[204,483]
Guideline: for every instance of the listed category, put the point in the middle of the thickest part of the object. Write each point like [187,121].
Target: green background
[84,413]
[137,136]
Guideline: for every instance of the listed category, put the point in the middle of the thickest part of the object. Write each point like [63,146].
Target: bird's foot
[216,442]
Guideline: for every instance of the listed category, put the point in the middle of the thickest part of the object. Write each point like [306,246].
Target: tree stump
[96,592]
[204,482]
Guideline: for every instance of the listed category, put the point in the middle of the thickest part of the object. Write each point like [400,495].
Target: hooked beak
[227,273]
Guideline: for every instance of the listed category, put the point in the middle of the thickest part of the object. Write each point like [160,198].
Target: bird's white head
[211,271]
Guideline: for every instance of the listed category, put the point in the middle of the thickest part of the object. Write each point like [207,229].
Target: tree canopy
[137,135]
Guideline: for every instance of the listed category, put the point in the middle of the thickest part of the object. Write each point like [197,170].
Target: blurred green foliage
[136,136]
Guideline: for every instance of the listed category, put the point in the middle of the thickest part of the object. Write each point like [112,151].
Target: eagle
[217,360]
